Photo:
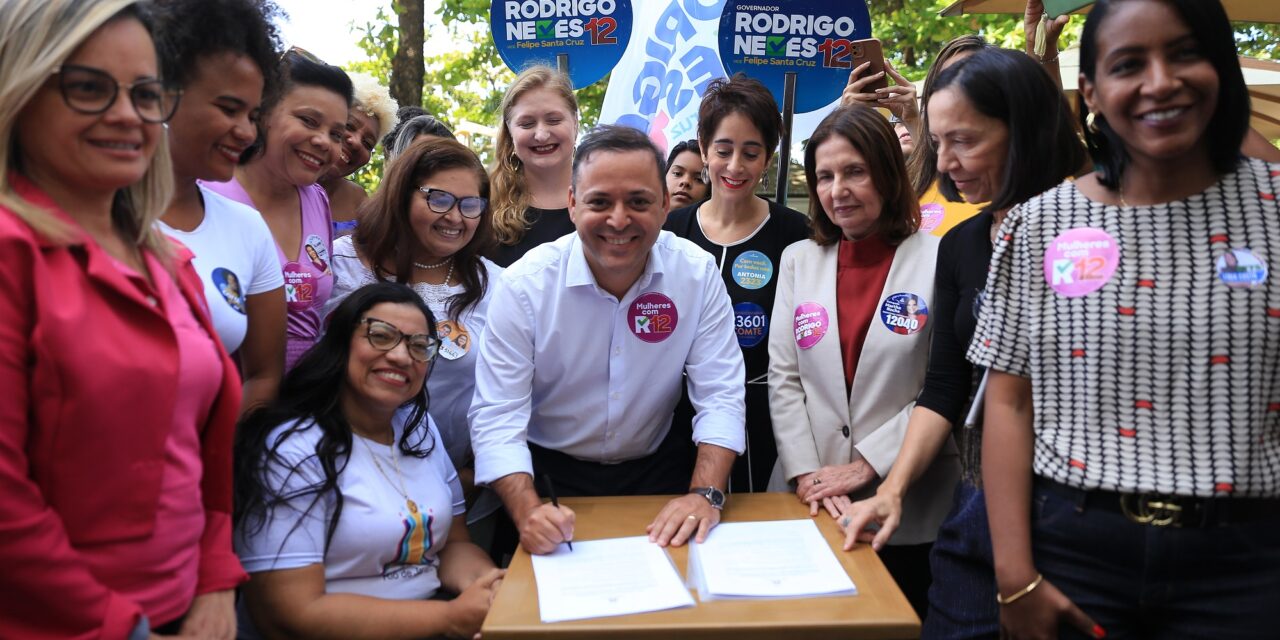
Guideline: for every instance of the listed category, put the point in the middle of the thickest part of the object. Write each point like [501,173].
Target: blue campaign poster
[593,33]
[814,38]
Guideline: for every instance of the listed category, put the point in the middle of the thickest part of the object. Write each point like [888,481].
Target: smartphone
[869,50]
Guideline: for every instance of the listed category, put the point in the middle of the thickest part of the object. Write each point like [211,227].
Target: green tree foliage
[466,83]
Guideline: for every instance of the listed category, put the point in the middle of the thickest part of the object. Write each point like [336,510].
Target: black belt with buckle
[1161,510]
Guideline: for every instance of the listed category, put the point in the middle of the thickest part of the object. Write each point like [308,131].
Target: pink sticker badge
[931,215]
[652,317]
[1080,261]
[298,287]
[810,324]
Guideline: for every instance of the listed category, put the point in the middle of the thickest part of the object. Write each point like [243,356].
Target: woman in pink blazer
[119,402]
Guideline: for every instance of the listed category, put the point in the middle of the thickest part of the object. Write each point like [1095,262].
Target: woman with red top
[120,403]
[851,338]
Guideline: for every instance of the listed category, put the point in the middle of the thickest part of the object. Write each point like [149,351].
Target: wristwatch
[712,494]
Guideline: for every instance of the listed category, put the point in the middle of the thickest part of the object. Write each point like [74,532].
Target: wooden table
[878,611]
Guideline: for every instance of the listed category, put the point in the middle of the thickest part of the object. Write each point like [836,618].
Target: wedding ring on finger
[693,516]
[817,481]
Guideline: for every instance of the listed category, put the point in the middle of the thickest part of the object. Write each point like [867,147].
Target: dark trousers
[909,566]
[962,598]
[1141,581]
[666,471]
[751,470]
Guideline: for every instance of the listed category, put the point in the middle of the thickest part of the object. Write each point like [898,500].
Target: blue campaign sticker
[1241,269]
[904,313]
[814,38]
[227,284]
[751,323]
[752,270]
[593,33]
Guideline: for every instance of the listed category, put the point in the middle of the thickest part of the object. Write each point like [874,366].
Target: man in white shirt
[580,365]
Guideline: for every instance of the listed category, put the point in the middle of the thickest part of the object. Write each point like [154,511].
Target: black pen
[551,492]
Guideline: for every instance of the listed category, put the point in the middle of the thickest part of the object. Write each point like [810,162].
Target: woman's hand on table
[835,480]
[884,510]
[467,611]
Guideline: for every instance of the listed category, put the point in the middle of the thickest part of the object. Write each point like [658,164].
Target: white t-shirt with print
[380,548]
[235,256]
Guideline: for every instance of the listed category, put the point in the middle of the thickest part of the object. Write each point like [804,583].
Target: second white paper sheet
[776,559]
[601,578]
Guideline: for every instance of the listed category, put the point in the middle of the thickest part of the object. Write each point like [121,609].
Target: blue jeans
[962,599]
[1140,581]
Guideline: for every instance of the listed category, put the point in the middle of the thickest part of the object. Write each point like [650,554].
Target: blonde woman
[372,115]
[535,157]
[119,401]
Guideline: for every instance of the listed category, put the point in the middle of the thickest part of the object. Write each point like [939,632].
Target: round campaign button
[226,283]
[904,313]
[317,252]
[652,317]
[931,215]
[811,323]
[593,33]
[299,290]
[455,339]
[751,323]
[752,270]
[1241,269]
[1080,261]
[816,39]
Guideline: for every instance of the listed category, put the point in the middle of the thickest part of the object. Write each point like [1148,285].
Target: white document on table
[776,559]
[601,578]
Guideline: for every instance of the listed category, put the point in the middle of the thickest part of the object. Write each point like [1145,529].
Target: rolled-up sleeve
[716,373]
[503,402]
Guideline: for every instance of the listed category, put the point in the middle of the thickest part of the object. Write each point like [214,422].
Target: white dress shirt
[562,363]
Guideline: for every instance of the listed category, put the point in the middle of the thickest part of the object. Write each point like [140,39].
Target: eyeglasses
[441,201]
[92,91]
[384,336]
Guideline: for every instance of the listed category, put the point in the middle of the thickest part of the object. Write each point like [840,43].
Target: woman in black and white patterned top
[1133,336]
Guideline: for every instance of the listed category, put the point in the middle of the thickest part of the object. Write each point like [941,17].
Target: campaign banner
[658,84]
[813,38]
[593,33]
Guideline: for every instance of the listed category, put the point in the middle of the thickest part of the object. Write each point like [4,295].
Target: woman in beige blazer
[843,380]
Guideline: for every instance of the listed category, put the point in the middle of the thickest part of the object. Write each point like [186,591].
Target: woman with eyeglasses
[1131,461]
[223,54]
[372,116]
[347,507]
[303,134]
[685,181]
[119,401]
[427,226]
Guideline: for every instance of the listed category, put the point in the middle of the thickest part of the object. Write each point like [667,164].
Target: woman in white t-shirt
[426,227]
[346,504]
[223,55]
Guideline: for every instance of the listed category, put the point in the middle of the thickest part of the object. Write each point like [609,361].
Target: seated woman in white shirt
[346,504]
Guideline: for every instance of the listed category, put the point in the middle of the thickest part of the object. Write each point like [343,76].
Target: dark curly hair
[190,29]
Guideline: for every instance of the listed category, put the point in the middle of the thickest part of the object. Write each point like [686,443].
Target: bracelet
[1021,592]
[1053,59]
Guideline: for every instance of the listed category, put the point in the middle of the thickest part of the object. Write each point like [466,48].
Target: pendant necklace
[413,506]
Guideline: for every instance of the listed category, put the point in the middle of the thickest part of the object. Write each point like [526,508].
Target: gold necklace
[413,506]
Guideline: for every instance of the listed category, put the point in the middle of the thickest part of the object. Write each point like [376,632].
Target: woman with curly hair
[372,116]
[534,163]
[223,54]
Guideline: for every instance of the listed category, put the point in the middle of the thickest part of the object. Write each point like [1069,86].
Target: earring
[514,160]
[1091,122]
[706,178]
